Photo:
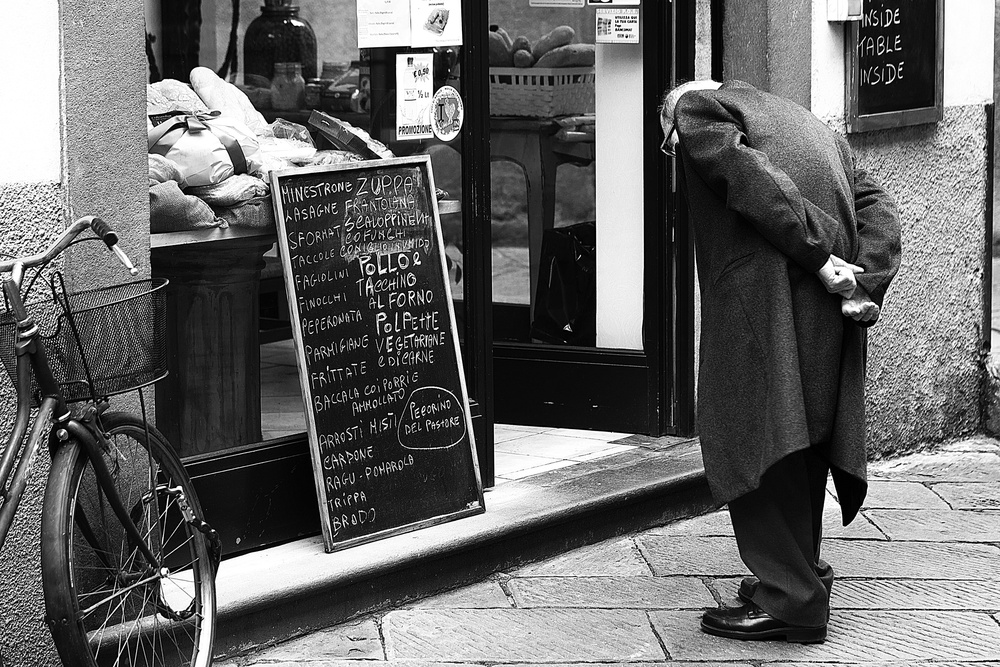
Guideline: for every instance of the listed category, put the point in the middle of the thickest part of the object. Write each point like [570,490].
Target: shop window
[235,380]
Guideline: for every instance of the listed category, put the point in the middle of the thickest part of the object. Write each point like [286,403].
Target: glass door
[580,240]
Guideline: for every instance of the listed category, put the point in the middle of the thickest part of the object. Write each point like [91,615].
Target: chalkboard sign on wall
[387,410]
[895,64]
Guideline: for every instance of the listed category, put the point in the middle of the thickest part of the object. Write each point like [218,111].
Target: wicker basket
[541,92]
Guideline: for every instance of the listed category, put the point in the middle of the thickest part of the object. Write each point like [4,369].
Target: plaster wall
[926,365]
[925,358]
[95,164]
[926,361]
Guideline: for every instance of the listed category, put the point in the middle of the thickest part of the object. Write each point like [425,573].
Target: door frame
[594,387]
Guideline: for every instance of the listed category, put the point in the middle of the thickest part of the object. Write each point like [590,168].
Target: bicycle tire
[131,616]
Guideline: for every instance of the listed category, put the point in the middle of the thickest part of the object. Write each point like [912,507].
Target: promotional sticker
[414,96]
[448,114]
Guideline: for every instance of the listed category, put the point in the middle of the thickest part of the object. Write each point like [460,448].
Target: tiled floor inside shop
[519,451]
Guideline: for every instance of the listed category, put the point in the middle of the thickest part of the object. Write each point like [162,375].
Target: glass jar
[278,35]
[288,87]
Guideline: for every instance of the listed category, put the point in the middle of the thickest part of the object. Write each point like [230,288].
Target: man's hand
[837,276]
[860,307]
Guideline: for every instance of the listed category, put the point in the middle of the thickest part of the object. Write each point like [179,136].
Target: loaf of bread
[499,55]
[557,37]
[523,58]
[227,98]
[570,55]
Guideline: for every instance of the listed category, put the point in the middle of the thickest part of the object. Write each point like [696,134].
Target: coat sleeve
[879,244]
[714,144]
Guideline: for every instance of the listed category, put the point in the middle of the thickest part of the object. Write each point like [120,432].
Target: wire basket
[98,342]
[541,92]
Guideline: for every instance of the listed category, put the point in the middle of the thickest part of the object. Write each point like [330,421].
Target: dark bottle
[278,35]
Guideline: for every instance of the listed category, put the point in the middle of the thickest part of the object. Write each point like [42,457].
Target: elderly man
[796,246]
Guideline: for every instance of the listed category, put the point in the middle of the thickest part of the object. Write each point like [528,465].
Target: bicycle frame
[53,419]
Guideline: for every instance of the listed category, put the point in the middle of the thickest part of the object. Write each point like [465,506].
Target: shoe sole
[791,635]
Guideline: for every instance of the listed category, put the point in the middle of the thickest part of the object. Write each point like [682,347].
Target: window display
[277,85]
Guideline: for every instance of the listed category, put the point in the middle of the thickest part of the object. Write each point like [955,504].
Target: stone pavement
[918,581]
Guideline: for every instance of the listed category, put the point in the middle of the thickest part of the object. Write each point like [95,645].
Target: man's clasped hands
[837,275]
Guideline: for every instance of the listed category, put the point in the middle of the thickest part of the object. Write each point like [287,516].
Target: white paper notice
[556,3]
[617,26]
[414,96]
[436,22]
[383,23]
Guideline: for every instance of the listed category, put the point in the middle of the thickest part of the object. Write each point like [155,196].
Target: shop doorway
[581,248]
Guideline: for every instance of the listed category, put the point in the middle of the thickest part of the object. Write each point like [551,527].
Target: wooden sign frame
[468,506]
[857,120]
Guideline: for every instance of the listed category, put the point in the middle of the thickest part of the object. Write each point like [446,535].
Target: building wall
[74,144]
[926,362]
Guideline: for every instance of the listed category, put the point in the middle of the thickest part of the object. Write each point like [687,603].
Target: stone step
[278,593]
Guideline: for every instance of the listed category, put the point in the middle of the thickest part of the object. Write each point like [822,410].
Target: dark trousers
[778,529]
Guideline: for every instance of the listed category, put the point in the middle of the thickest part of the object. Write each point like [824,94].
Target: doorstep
[277,593]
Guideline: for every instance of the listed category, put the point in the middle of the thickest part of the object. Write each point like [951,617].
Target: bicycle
[128,562]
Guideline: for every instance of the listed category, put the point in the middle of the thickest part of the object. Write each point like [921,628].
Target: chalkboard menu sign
[387,410]
[895,64]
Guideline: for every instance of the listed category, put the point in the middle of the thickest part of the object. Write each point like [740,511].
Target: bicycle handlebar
[101,229]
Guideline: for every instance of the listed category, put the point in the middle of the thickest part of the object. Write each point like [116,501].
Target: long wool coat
[772,193]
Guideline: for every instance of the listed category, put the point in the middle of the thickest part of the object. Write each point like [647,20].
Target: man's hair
[670,97]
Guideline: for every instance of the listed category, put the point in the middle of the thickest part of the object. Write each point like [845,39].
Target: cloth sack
[207,148]
[170,210]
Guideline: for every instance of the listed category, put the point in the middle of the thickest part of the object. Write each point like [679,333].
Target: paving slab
[483,595]
[970,495]
[718,524]
[855,636]
[612,592]
[714,524]
[864,559]
[940,467]
[521,635]
[938,525]
[885,494]
[649,664]
[914,594]
[880,664]
[859,529]
[975,444]
[609,558]
[691,556]
[357,640]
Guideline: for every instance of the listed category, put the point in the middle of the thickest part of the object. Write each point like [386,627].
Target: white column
[29,80]
[619,195]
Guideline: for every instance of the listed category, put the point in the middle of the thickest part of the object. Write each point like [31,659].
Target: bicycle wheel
[105,604]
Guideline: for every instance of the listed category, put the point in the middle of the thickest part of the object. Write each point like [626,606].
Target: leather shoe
[752,622]
[747,588]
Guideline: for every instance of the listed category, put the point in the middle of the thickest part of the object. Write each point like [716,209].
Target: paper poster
[414,96]
[448,113]
[557,3]
[617,26]
[435,22]
[383,23]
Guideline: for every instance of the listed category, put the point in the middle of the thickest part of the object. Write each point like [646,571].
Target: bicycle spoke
[134,612]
